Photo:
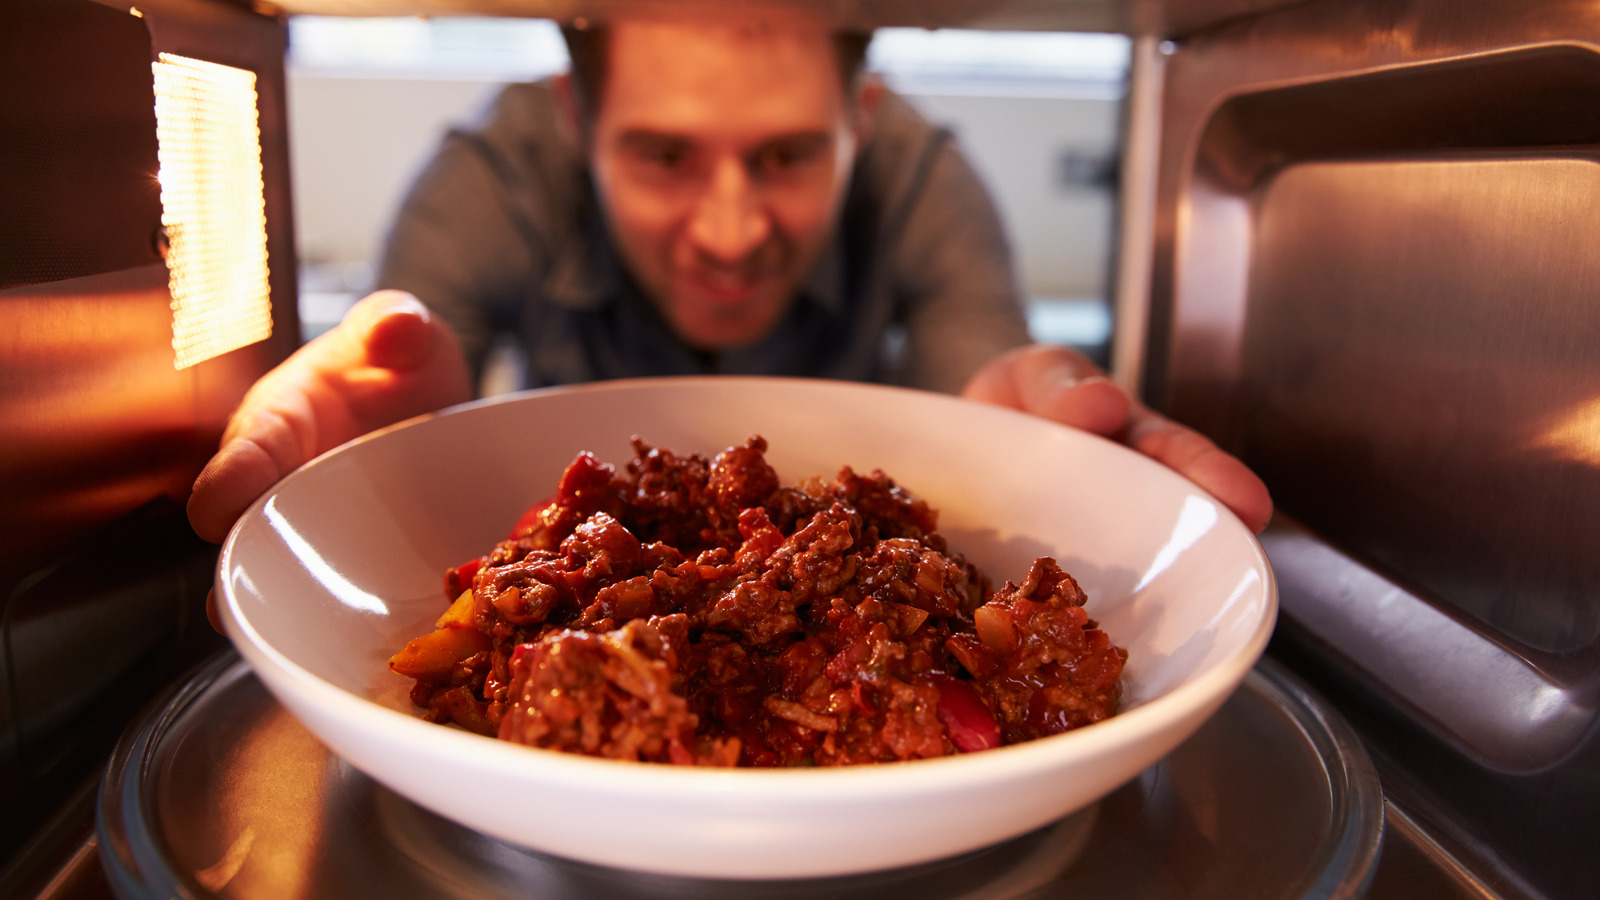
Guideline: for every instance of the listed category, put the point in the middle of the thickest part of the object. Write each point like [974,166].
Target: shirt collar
[825,285]
[584,274]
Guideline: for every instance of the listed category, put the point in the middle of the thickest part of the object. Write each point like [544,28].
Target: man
[719,203]
[819,224]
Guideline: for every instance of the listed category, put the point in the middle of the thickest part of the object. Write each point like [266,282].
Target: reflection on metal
[1137,201]
[1496,706]
[94,421]
[213,207]
[1411,324]
[1573,434]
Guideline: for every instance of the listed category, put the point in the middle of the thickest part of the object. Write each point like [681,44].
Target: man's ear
[869,93]
[569,121]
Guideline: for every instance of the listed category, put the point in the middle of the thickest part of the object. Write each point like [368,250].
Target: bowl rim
[817,784]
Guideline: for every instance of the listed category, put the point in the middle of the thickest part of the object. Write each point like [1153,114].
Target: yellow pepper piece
[459,615]
[433,656]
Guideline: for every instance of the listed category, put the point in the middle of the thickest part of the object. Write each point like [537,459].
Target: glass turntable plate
[219,792]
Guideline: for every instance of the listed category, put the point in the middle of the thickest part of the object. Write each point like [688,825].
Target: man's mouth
[726,287]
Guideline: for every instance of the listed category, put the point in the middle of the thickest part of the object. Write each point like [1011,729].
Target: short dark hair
[589,45]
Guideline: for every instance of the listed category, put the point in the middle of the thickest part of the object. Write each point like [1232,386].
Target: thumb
[1055,383]
[394,330]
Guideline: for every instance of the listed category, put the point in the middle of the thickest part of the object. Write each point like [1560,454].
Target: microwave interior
[1349,240]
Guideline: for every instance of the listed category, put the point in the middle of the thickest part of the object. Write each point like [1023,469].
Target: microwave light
[213,207]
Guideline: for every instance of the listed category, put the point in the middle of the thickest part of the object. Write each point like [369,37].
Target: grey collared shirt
[502,234]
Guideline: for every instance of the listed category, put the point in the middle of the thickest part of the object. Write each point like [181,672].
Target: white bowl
[341,563]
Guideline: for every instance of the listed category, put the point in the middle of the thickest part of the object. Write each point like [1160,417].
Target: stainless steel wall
[101,581]
[1374,279]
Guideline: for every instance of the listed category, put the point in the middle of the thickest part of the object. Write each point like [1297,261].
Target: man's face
[721,153]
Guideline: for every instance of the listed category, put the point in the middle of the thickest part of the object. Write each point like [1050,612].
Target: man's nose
[729,222]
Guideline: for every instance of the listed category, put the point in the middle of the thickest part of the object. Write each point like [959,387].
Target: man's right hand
[388,360]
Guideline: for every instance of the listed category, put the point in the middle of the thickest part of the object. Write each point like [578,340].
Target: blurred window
[1037,113]
[468,47]
[1007,63]
[912,59]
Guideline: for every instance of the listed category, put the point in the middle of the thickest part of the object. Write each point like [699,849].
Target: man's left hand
[1061,385]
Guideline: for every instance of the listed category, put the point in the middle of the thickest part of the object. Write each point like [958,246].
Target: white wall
[1060,233]
[354,145]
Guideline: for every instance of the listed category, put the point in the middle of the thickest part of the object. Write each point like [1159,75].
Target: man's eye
[786,156]
[661,155]
[667,157]
[781,157]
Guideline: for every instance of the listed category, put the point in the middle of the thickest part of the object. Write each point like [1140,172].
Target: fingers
[1055,383]
[213,615]
[274,432]
[388,360]
[1194,456]
[1063,386]
[239,473]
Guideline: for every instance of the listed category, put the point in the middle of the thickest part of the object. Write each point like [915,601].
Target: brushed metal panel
[94,419]
[1373,277]
[79,155]
[96,424]
[1422,341]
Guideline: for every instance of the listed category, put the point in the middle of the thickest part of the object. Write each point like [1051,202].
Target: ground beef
[698,611]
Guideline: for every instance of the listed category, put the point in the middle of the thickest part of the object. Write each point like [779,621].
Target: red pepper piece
[460,578]
[529,520]
[965,716]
